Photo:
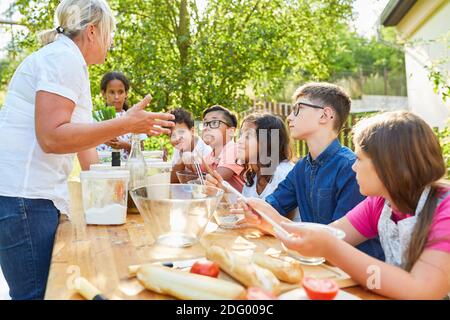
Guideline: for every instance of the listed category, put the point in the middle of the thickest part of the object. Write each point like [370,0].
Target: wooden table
[102,254]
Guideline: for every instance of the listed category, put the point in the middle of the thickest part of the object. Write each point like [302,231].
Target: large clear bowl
[176,214]
[338,233]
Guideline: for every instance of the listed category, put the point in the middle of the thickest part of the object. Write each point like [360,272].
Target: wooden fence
[284,109]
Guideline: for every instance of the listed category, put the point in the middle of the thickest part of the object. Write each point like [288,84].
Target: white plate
[313,261]
[300,294]
[334,231]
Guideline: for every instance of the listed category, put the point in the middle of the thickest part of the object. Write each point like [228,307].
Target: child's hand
[165,154]
[252,218]
[308,242]
[118,144]
[215,180]
[111,143]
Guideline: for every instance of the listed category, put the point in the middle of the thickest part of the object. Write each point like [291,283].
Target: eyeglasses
[296,107]
[213,124]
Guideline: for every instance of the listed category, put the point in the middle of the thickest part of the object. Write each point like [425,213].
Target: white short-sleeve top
[25,170]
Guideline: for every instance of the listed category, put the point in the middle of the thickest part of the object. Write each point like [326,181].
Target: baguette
[187,286]
[243,270]
[289,271]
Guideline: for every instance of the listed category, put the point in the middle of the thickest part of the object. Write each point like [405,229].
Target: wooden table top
[102,255]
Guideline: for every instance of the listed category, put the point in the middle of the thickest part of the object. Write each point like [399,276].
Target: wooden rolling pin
[187,286]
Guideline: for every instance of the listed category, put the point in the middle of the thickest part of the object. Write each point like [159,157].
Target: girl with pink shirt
[399,168]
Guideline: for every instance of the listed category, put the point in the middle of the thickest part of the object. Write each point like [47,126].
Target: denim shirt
[324,190]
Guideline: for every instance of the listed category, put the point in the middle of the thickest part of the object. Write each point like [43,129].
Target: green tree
[194,59]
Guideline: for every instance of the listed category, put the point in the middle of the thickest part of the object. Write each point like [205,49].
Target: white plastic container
[105,195]
[107,166]
[153,154]
[158,172]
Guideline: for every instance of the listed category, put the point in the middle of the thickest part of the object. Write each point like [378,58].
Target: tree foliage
[192,58]
[370,55]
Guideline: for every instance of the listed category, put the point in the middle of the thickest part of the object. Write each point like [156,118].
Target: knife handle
[88,290]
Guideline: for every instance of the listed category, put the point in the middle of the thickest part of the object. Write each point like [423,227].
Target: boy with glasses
[322,185]
[218,129]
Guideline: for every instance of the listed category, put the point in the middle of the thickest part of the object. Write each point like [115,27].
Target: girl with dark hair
[115,87]
[399,168]
[264,150]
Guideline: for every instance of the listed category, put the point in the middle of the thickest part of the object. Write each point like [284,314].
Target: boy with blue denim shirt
[322,185]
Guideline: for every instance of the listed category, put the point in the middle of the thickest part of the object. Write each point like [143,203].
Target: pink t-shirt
[227,159]
[364,217]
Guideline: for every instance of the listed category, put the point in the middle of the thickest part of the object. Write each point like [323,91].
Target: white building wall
[371,103]
[428,45]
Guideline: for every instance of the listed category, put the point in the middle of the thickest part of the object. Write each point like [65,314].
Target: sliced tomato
[320,289]
[255,293]
[206,268]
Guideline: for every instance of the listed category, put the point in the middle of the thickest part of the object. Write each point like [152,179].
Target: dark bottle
[115,158]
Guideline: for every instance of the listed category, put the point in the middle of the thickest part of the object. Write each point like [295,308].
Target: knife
[174,264]
[181,264]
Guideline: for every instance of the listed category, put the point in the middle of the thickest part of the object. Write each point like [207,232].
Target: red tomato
[255,293]
[206,268]
[320,289]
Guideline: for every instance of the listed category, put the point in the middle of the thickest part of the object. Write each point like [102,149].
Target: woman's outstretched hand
[152,123]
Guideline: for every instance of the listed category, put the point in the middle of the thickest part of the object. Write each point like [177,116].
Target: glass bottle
[136,164]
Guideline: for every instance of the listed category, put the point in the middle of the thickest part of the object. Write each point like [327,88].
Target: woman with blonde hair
[45,121]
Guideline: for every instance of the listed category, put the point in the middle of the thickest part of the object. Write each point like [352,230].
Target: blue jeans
[27,233]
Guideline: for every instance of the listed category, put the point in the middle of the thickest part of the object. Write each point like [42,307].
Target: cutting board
[321,272]
[246,242]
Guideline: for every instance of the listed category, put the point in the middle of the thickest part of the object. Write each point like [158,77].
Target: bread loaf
[243,270]
[289,271]
[187,286]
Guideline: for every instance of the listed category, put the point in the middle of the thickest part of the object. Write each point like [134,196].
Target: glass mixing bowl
[176,214]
